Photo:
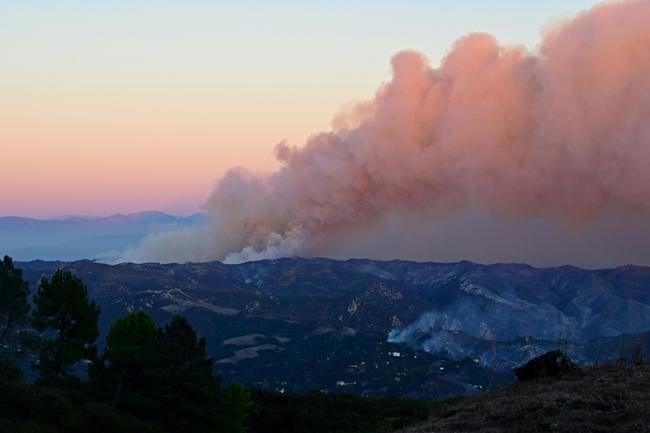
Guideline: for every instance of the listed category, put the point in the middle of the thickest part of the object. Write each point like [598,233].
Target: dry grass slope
[601,399]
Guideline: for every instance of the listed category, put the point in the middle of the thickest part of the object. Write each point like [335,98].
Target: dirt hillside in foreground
[601,399]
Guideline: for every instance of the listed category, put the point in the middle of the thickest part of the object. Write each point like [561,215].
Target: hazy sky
[121,106]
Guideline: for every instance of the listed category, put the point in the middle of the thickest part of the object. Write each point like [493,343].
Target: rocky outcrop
[550,364]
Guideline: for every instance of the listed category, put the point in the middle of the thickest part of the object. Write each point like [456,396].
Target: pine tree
[235,405]
[119,373]
[14,314]
[68,320]
[180,374]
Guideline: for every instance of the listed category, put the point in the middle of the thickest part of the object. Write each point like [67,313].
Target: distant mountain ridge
[326,320]
[77,238]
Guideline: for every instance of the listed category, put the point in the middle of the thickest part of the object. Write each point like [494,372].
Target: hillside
[423,330]
[602,399]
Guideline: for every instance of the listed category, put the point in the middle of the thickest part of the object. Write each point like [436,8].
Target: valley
[419,330]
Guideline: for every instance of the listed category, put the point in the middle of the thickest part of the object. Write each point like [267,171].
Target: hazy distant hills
[372,327]
[76,238]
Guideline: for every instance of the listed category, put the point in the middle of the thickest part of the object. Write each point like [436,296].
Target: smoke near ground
[553,144]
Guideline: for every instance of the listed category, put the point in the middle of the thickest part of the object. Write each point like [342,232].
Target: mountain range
[424,330]
[76,238]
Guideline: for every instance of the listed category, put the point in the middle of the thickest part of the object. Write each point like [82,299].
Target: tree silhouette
[65,315]
[119,373]
[14,313]
[179,373]
[164,375]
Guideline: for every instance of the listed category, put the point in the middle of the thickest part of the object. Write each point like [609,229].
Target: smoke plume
[561,133]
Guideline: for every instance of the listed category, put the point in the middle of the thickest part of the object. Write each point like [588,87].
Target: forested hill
[425,330]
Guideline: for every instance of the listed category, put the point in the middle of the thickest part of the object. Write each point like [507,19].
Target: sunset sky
[125,106]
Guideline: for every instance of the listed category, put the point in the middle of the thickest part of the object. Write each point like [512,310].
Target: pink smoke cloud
[561,133]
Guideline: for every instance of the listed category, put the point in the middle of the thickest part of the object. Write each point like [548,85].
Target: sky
[124,106]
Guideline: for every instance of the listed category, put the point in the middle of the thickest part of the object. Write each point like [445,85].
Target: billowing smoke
[561,134]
